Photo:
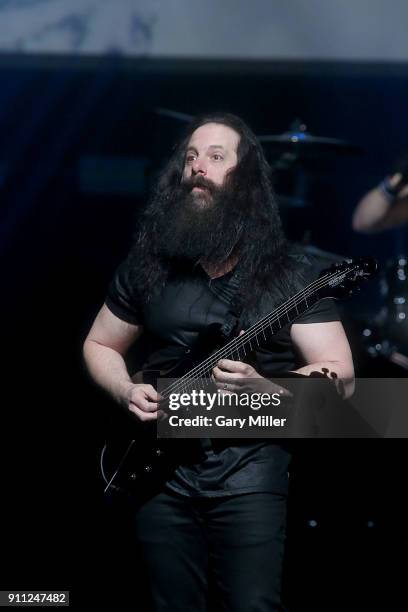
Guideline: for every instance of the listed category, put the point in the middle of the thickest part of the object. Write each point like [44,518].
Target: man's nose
[199,167]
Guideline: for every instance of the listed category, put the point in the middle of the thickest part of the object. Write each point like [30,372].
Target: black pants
[238,540]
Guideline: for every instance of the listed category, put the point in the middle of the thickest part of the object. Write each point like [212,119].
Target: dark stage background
[80,144]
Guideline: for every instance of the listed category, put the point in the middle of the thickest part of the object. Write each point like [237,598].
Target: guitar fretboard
[259,333]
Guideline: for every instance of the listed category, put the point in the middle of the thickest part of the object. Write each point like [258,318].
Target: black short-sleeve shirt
[190,302]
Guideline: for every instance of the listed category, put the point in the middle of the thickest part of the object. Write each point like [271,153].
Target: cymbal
[296,141]
[302,143]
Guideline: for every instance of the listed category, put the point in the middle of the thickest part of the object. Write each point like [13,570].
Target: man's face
[211,153]
[205,221]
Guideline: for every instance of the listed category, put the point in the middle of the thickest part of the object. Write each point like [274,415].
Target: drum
[385,337]
[395,310]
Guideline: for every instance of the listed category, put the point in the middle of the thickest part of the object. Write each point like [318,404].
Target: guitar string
[240,342]
[260,326]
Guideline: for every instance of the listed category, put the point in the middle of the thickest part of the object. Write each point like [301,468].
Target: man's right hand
[142,400]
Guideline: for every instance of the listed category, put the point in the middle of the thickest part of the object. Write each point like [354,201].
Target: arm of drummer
[375,212]
[104,350]
[324,348]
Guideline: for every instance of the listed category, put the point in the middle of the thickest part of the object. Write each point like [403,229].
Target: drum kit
[382,337]
[385,335]
[293,156]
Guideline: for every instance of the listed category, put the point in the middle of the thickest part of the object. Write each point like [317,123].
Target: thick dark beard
[204,226]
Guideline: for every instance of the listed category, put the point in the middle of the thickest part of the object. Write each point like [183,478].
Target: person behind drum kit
[386,205]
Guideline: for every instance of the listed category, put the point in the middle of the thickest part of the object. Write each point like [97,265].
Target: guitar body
[135,460]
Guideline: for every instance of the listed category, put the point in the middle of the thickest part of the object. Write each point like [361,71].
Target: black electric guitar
[141,460]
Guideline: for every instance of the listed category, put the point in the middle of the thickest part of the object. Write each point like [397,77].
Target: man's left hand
[236,377]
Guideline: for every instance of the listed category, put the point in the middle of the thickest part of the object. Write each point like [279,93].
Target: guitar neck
[335,282]
[285,314]
[239,347]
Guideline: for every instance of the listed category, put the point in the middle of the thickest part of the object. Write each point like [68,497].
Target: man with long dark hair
[213,218]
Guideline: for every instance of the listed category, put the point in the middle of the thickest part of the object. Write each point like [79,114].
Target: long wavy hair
[265,265]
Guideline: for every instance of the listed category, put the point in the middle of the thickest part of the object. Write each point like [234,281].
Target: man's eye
[189,159]
[217,157]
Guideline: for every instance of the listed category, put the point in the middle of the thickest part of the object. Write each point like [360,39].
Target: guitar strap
[229,293]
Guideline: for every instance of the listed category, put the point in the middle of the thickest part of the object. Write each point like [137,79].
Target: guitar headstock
[344,278]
